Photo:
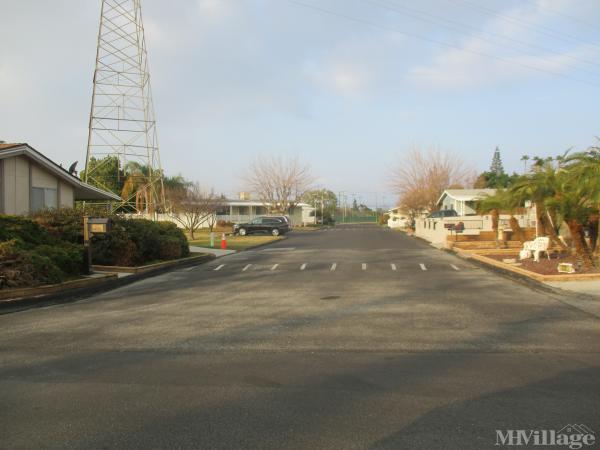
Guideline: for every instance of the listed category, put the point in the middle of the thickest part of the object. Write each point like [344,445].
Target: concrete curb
[108,284]
[9,295]
[149,267]
[530,274]
[514,276]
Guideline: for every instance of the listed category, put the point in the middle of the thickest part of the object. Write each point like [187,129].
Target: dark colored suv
[270,225]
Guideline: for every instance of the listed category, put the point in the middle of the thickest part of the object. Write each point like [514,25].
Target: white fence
[296,219]
[436,231]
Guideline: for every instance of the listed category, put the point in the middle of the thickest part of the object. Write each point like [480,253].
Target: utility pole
[322,216]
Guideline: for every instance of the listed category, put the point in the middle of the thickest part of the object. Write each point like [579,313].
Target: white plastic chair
[535,247]
[540,245]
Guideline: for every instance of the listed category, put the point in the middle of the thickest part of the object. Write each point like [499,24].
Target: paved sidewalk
[215,251]
[591,287]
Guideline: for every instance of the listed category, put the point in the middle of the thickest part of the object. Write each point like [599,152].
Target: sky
[347,86]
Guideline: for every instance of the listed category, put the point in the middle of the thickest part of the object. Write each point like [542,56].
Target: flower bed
[545,266]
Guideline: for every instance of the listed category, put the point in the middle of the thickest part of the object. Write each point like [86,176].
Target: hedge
[30,255]
[131,241]
[48,247]
[139,241]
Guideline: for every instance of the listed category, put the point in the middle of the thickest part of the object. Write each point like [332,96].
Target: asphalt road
[351,338]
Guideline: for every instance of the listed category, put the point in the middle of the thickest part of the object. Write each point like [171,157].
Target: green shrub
[25,232]
[30,255]
[169,248]
[65,224]
[55,236]
[42,268]
[149,241]
[67,257]
[145,234]
[171,230]
[114,248]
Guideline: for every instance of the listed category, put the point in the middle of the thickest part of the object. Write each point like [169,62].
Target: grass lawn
[202,239]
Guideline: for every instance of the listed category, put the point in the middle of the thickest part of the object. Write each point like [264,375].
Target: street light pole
[322,216]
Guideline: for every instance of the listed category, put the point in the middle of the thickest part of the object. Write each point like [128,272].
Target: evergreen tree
[496,167]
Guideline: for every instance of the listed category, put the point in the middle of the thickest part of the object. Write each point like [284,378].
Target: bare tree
[421,177]
[279,183]
[192,207]
[217,205]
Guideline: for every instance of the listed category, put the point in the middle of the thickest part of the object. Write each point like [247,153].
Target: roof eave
[94,192]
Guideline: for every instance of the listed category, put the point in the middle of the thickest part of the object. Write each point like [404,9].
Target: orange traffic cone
[223,242]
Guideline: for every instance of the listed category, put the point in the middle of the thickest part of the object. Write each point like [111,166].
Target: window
[42,198]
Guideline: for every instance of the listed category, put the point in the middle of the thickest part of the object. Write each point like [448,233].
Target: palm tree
[538,187]
[492,205]
[573,203]
[525,158]
[503,201]
[512,203]
[584,171]
[136,186]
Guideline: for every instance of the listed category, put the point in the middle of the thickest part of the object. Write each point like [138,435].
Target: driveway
[351,337]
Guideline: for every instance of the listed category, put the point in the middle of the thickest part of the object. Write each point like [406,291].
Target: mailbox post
[91,226]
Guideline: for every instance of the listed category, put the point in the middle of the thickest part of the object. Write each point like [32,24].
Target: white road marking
[303,266]
[274,266]
[220,267]
[364,266]
[246,267]
[423,267]
[333,267]
[454,267]
[393,266]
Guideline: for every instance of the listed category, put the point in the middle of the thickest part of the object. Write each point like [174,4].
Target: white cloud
[214,8]
[356,66]
[344,79]
[487,59]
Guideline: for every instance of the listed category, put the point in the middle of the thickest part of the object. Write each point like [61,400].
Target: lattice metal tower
[122,125]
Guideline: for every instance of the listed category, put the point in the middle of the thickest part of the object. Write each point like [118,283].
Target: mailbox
[99,225]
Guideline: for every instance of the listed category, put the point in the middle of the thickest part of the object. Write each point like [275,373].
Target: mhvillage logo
[571,436]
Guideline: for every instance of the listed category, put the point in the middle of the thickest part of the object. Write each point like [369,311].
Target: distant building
[244,209]
[399,218]
[29,182]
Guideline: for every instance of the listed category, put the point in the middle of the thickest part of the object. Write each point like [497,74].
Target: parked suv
[270,225]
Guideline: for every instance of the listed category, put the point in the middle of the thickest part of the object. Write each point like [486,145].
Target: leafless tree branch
[421,177]
[279,183]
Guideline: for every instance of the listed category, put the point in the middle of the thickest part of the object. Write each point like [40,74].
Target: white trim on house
[463,200]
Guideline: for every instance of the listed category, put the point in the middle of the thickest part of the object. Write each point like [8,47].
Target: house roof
[5,145]
[397,210]
[466,194]
[81,190]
